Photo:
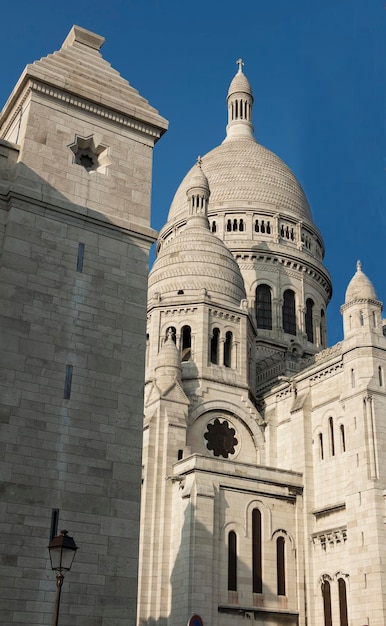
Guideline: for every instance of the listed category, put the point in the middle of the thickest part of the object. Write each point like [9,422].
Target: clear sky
[317,69]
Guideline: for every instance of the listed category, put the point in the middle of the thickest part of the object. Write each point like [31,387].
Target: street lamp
[62,552]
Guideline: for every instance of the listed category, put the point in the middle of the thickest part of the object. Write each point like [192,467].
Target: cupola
[362,309]
[240,102]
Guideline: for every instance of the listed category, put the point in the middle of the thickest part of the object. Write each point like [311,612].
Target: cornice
[86,105]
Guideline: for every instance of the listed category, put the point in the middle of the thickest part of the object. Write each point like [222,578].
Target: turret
[362,310]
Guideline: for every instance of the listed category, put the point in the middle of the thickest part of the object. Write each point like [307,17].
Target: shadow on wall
[214,570]
[72,373]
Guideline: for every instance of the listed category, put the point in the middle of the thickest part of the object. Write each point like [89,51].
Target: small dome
[195,264]
[360,287]
[168,355]
[240,83]
[198,180]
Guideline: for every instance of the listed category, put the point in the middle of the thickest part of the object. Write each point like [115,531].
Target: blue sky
[317,69]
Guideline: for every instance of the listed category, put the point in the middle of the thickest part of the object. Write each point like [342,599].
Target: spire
[198,196]
[240,101]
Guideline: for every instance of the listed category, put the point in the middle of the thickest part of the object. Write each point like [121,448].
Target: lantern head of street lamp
[62,551]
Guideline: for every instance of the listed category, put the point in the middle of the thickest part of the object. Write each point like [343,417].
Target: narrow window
[234,227]
[257,583]
[263,307]
[241,225]
[289,314]
[352,378]
[214,344]
[321,451]
[67,383]
[342,438]
[331,430]
[256,226]
[380,376]
[232,561]
[186,348]
[361,318]
[282,231]
[79,261]
[229,226]
[322,329]
[374,319]
[54,523]
[342,602]
[268,228]
[280,564]
[228,349]
[180,455]
[214,227]
[309,320]
[326,594]
[262,226]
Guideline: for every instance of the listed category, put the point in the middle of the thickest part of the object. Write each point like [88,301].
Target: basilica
[264,469]
[260,450]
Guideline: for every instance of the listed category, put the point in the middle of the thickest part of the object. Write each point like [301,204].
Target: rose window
[221,438]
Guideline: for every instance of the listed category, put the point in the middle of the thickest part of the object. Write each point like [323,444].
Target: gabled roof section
[78,68]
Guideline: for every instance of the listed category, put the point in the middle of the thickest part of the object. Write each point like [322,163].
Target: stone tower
[75,177]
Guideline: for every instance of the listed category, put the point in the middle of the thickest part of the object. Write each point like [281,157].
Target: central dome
[241,172]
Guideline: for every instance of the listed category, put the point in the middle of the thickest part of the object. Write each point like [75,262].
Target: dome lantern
[240,102]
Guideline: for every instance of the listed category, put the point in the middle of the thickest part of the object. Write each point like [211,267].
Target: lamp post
[62,551]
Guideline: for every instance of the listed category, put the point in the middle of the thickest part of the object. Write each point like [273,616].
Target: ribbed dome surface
[240,83]
[242,173]
[360,287]
[196,260]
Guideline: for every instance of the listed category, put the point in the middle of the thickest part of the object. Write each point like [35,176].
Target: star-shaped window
[89,154]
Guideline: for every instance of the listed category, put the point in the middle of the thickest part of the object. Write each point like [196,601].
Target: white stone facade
[264,480]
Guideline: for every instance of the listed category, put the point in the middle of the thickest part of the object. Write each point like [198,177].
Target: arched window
[186,347]
[257,582]
[321,451]
[214,345]
[280,566]
[241,225]
[342,602]
[342,438]
[309,320]
[263,307]
[228,349]
[289,314]
[232,561]
[171,333]
[229,226]
[331,430]
[234,227]
[326,594]
[214,227]
[380,376]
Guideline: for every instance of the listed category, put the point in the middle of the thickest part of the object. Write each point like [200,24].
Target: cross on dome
[240,63]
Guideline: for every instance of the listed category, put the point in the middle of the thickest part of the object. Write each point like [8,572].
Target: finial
[359,266]
[199,161]
[170,334]
[240,63]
